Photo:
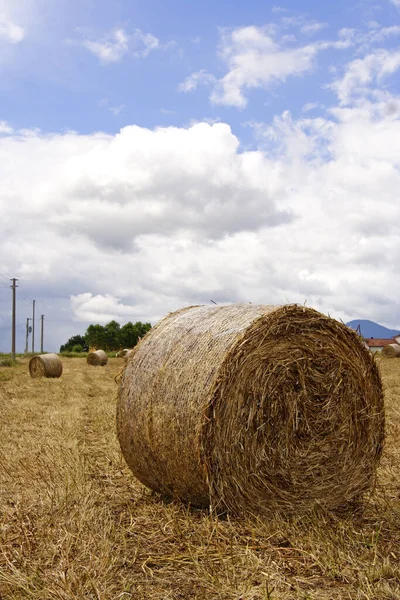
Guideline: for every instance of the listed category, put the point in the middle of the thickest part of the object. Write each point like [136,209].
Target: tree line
[108,337]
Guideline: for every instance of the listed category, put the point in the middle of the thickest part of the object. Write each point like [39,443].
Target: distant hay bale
[391,351]
[124,353]
[45,365]
[97,359]
[251,408]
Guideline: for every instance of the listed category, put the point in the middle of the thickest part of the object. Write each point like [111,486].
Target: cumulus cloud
[100,308]
[169,180]
[362,73]
[134,225]
[116,44]
[9,31]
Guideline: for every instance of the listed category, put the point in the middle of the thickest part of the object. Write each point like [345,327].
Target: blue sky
[54,85]
[156,154]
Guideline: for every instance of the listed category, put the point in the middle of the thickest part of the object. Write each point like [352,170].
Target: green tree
[131,333]
[108,337]
[95,336]
[76,340]
[112,336]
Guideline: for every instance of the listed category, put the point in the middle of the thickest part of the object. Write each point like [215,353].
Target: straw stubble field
[75,524]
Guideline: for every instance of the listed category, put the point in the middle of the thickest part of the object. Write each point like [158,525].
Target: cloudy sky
[158,154]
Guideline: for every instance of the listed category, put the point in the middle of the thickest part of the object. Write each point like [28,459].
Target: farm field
[76,525]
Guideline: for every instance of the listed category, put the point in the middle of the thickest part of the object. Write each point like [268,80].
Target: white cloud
[9,31]
[396,3]
[311,106]
[133,225]
[110,49]
[192,82]
[255,59]
[5,128]
[149,41]
[305,25]
[100,308]
[313,27]
[115,45]
[362,73]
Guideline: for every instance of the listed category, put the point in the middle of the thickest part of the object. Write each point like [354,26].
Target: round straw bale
[45,365]
[124,353]
[391,351]
[251,408]
[97,359]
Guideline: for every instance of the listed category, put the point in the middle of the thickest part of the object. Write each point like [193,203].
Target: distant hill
[370,329]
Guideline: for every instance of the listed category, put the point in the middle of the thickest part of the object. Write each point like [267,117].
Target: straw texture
[45,365]
[252,408]
[97,359]
[391,351]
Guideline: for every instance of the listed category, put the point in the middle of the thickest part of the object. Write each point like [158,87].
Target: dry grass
[75,524]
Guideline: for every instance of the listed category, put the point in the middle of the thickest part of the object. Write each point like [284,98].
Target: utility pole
[27,334]
[41,333]
[33,326]
[13,287]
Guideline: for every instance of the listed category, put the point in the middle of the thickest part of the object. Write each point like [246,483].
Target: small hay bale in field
[391,351]
[97,359]
[45,365]
[124,353]
[251,408]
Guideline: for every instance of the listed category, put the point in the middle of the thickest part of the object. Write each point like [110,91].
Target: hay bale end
[391,351]
[45,365]
[97,358]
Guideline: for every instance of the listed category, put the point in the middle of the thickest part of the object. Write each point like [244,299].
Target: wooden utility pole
[13,287]
[33,326]
[41,333]
[27,334]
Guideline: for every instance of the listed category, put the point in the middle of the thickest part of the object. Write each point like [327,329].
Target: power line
[24,295]
[4,276]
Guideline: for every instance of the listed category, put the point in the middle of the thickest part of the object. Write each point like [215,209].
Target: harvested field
[75,524]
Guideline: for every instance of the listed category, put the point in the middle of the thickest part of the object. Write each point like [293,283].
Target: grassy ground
[75,524]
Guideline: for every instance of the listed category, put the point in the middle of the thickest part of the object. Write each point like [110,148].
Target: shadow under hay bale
[45,365]
[251,408]
[391,351]
[97,359]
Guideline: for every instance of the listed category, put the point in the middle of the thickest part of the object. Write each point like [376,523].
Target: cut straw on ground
[75,524]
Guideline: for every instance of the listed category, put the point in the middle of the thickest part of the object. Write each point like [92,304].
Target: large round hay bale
[45,365]
[97,359]
[391,351]
[252,408]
